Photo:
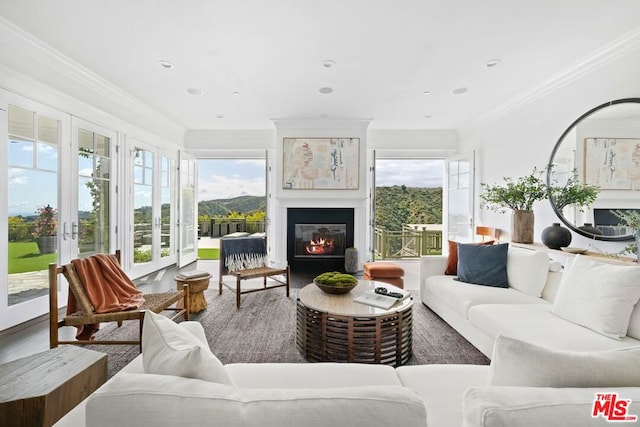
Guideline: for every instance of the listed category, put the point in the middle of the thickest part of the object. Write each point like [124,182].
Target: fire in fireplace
[320,240]
[317,238]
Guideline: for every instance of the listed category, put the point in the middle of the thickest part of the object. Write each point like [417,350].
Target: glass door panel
[32,202]
[143,191]
[92,227]
[33,205]
[188,210]
[460,204]
[167,208]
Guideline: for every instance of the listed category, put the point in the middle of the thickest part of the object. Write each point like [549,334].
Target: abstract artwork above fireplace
[321,163]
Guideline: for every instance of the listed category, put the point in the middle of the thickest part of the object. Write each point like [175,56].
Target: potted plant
[573,193]
[631,219]
[45,229]
[518,196]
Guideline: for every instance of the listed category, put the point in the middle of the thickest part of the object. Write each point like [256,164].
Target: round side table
[197,286]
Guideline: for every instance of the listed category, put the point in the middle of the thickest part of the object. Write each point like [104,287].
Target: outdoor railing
[408,243]
[220,227]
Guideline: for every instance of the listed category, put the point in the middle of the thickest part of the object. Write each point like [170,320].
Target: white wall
[511,144]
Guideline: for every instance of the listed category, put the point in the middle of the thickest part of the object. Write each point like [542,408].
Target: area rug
[264,330]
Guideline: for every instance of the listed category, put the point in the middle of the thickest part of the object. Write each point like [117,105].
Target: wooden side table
[197,286]
[40,389]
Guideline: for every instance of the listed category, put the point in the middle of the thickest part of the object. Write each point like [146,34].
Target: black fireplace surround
[322,236]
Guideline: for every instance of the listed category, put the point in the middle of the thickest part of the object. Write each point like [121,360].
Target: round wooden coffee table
[334,328]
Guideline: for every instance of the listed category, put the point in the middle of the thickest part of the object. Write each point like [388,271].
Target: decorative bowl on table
[334,282]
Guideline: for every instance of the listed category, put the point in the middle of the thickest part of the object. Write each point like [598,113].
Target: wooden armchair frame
[155,302]
[251,273]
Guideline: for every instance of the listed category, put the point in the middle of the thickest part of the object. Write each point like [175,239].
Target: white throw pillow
[168,349]
[518,363]
[598,295]
[527,270]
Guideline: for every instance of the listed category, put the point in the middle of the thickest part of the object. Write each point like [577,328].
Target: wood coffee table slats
[385,336]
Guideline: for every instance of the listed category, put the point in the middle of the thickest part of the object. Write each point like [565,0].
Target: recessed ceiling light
[426,92]
[492,63]
[195,92]
[236,93]
[427,116]
[325,90]
[328,63]
[219,116]
[166,64]
[459,90]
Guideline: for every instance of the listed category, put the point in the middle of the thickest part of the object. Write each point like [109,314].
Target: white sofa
[177,381]
[522,311]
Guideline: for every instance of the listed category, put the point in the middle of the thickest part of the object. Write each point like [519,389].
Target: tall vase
[351,260]
[522,226]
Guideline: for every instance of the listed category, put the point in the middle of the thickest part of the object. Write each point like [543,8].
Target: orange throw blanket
[108,288]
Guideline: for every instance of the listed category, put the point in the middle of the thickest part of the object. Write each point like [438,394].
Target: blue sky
[226,178]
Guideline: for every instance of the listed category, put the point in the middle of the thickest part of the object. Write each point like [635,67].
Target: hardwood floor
[33,336]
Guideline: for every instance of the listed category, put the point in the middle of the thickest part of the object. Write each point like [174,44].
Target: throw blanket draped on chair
[108,288]
[242,253]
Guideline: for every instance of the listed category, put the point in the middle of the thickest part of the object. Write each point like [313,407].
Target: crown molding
[22,49]
[607,54]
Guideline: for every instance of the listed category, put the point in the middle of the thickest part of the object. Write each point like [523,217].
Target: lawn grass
[25,257]
[208,253]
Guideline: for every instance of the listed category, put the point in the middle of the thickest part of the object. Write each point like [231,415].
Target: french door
[58,195]
[459,185]
[152,219]
[188,224]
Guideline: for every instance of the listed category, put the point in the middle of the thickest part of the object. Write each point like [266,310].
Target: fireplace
[317,237]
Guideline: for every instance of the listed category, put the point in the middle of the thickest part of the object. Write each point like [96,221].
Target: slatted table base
[324,337]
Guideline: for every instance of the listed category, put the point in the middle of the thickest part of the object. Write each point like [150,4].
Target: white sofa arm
[539,406]
[432,265]
[162,400]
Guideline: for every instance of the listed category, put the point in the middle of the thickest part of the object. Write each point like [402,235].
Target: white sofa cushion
[536,324]
[634,323]
[310,375]
[527,270]
[599,296]
[539,406]
[161,400]
[441,388]
[519,363]
[462,296]
[169,349]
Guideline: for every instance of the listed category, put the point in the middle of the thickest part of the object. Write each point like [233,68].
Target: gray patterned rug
[263,330]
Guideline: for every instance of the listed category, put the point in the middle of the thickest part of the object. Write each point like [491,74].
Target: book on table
[379,300]
[193,274]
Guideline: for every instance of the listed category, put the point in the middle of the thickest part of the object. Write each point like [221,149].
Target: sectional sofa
[178,381]
[527,308]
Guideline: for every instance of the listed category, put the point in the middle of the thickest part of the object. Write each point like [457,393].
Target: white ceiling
[387,54]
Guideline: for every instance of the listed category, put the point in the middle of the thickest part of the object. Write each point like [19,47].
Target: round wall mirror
[601,148]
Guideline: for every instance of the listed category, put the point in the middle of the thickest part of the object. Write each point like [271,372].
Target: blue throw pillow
[483,265]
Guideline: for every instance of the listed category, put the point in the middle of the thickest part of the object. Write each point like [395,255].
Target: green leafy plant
[573,192]
[517,195]
[630,219]
[335,278]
